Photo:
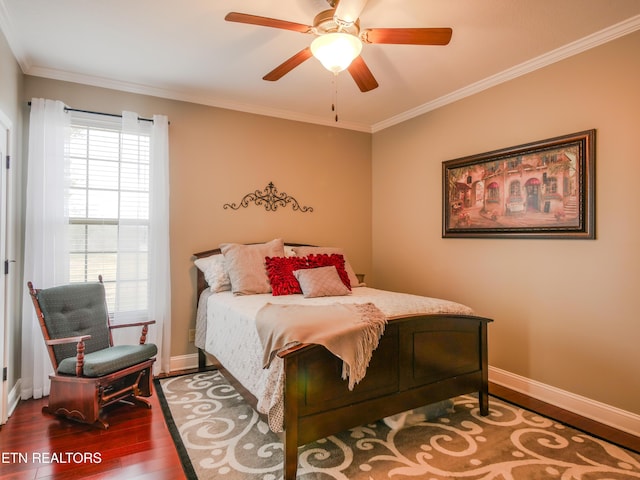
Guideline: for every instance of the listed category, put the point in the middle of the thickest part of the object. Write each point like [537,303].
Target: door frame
[5,298]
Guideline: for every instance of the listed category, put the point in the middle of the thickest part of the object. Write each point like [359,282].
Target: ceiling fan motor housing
[325,22]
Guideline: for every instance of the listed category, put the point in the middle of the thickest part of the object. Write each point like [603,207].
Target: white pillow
[246,265]
[215,273]
[305,251]
[321,282]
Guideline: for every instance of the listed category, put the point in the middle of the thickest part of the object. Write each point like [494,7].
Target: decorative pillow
[321,282]
[246,267]
[280,273]
[214,272]
[305,251]
[325,260]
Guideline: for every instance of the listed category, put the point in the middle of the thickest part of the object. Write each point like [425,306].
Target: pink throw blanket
[349,331]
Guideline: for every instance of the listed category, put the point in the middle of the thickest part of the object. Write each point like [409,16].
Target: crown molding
[598,38]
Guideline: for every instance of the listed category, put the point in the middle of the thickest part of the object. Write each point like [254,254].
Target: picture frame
[543,189]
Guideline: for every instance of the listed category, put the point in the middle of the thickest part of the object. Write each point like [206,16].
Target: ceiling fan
[339,28]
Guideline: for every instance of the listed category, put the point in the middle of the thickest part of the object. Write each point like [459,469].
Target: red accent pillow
[280,273]
[326,260]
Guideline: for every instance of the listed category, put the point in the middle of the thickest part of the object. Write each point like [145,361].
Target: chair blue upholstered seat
[109,360]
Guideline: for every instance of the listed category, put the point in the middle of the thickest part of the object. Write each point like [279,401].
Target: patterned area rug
[219,436]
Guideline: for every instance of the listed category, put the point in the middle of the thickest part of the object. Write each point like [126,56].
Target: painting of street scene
[536,190]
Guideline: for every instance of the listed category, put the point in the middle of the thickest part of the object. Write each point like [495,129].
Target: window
[551,185]
[514,189]
[514,163]
[493,193]
[108,207]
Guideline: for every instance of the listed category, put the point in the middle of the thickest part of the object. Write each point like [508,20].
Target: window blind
[108,209]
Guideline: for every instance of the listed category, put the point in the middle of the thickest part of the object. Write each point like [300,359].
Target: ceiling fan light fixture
[336,50]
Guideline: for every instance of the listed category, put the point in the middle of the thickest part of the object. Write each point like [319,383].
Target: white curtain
[159,252]
[158,260]
[46,261]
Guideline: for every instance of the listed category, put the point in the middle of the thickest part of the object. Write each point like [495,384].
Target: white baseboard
[184,362]
[14,397]
[600,412]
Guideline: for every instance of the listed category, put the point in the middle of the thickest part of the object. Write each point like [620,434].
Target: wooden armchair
[89,371]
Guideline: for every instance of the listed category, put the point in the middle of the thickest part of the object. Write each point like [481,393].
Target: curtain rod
[69,109]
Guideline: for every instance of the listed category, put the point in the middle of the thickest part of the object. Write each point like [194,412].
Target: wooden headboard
[201,283]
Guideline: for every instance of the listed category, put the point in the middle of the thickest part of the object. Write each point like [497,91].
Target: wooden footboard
[420,360]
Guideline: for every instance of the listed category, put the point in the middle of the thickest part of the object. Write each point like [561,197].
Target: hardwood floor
[138,444]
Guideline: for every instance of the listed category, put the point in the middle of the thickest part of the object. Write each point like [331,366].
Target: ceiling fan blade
[407,36]
[267,22]
[288,65]
[362,75]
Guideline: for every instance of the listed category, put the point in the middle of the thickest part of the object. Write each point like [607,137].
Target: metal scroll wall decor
[270,198]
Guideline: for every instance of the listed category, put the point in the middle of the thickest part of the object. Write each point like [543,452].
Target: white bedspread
[230,334]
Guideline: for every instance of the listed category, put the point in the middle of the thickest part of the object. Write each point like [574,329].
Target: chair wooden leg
[142,388]
[77,401]
[140,402]
[99,423]
[134,392]
[144,383]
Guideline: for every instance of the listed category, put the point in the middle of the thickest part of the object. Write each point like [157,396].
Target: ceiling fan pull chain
[334,93]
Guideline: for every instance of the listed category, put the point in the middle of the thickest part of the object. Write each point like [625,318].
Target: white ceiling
[184,50]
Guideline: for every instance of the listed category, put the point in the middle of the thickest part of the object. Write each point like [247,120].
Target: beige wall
[217,156]
[566,311]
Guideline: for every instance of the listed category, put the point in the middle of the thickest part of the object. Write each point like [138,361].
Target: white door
[4,210]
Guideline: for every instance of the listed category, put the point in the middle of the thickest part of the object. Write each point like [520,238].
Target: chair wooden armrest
[137,324]
[144,325]
[61,341]
[79,349]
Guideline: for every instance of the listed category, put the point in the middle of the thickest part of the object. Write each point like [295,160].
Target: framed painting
[543,189]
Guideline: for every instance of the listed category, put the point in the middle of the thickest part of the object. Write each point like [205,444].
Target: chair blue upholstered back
[76,309]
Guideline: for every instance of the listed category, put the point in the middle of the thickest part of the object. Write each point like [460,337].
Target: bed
[431,350]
